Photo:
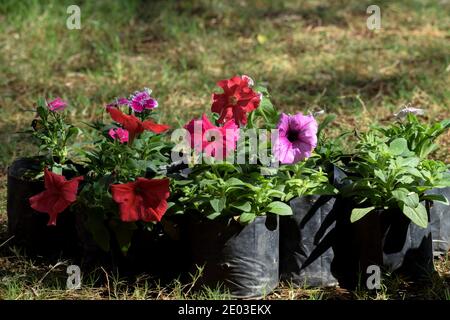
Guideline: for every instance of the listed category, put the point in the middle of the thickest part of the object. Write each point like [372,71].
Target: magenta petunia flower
[142,100]
[119,134]
[57,104]
[297,137]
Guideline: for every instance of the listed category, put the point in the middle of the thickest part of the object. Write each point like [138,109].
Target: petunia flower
[143,199]
[133,125]
[250,81]
[237,99]
[119,134]
[202,131]
[119,102]
[297,137]
[58,195]
[123,101]
[141,100]
[57,104]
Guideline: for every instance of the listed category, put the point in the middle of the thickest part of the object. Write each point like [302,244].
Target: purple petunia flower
[118,102]
[297,137]
[57,104]
[142,100]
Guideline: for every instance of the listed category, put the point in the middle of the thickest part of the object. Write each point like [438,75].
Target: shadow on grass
[331,84]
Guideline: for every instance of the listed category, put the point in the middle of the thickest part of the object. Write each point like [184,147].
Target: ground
[312,55]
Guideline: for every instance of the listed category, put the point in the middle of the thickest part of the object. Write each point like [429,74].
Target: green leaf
[42,110]
[358,213]
[405,180]
[170,205]
[402,195]
[275,193]
[124,232]
[408,162]
[427,148]
[57,169]
[436,198]
[247,217]
[96,226]
[445,124]
[72,131]
[266,171]
[412,200]
[380,175]
[243,206]
[218,204]
[413,171]
[279,208]
[235,182]
[418,215]
[182,182]
[214,215]
[398,146]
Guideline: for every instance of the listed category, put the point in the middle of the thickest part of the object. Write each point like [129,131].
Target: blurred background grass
[312,55]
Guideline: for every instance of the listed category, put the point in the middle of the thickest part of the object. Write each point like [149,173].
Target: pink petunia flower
[57,104]
[119,134]
[207,137]
[297,138]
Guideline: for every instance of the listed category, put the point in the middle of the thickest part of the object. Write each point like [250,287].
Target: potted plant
[233,208]
[440,223]
[124,198]
[421,139]
[26,221]
[233,227]
[389,177]
[307,237]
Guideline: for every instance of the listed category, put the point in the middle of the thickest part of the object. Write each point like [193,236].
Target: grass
[313,55]
[23,278]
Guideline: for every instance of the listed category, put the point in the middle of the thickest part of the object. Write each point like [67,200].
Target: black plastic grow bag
[306,240]
[28,227]
[440,223]
[91,255]
[160,254]
[385,238]
[244,259]
[153,252]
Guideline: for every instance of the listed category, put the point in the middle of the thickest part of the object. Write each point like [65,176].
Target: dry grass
[23,278]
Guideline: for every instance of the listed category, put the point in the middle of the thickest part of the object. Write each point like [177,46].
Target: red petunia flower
[133,125]
[144,199]
[58,195]
[237,99]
